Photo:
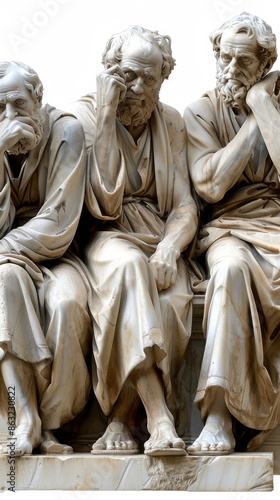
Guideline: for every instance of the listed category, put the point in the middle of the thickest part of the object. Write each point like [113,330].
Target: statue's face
[15,99]
[142,66]
[17,103]
[239,66]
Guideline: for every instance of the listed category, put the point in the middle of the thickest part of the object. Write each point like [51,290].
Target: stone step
[84,471]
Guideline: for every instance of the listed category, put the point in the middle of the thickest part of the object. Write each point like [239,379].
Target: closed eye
[246,61]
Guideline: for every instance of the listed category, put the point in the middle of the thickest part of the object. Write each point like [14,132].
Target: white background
[63,41]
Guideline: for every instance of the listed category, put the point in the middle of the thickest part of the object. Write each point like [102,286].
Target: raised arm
[105,166]
[11,131]
[105,170]
[214,167]
[111,90]
[49,233]
[262,101]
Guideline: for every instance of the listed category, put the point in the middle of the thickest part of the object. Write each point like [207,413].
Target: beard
[138,113]
[23,146]
[234,93]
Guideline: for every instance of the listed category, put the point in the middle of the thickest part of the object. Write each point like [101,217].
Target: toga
[130,315]
[243,354]
[43,315]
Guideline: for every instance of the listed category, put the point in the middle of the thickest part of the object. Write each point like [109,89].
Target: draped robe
[129,313]
[43,312]
[242,324]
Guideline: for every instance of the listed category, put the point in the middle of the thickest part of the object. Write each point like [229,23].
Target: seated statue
[45,328]
[234,162]
[139,192]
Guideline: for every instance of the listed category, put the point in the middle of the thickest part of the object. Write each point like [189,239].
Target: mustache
[138,111]
[223,79]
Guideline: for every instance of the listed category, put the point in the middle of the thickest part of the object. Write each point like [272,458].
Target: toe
[98,446]
[179,443]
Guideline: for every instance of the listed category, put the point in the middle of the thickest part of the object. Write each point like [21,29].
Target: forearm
[106,151]
[180,228]
[3,175]
[105,184]
[268,120]
[7,209]
[215,173]
[46,228]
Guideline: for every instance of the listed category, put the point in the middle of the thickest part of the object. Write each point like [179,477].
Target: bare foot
[20,445]
[25,439]
[50,444]
[214,439]
[164,441]
[27,436]
[116,439]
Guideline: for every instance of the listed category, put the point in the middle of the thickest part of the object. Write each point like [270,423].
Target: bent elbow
[210,193]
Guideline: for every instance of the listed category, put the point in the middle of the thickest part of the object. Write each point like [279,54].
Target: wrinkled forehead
[13,83]
[142,50]
[241,40]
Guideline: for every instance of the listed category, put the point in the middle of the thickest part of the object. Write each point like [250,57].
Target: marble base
[84,471]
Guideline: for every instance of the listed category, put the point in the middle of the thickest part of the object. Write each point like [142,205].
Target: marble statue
[234,163]
[138,191]
[45,328]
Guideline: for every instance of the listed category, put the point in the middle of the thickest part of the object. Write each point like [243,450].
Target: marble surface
[86,472]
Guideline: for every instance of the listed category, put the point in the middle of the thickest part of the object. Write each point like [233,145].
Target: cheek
[250,74]
[155,91]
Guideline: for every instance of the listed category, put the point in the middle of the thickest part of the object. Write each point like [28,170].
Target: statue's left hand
[270,84]
[164,265]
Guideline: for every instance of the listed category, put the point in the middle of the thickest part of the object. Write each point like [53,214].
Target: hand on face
[12,131]
[270,84]
[19,114]
[111,87]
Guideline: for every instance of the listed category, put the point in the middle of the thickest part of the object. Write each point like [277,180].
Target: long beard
[234,93]
[23,146]
[136,114]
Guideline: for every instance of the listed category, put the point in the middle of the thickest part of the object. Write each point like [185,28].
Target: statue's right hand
[111,87]
[13,130]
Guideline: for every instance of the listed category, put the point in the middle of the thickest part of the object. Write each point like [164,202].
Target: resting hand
[270,85]
[111,88]
[164,265]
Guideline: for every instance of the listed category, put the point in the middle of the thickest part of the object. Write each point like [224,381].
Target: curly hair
[113,51]
[31,79]
[252,25]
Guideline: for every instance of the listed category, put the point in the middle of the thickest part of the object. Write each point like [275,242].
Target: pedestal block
[84,471]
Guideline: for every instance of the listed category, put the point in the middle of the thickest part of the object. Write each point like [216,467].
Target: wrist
[169,245]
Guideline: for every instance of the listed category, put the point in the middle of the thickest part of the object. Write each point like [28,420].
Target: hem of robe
[107,401]
[259,423]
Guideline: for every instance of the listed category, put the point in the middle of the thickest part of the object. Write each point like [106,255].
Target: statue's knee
[231,269]
[12,273]
[133,264]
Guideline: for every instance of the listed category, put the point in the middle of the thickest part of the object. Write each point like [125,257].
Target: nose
[137,85]
[232,68]
[10,112]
